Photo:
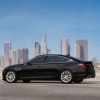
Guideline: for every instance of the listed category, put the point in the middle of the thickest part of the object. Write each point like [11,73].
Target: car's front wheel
[66,76]
[10,76]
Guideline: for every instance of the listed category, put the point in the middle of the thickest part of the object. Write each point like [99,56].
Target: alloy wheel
[10,76]
[66,76]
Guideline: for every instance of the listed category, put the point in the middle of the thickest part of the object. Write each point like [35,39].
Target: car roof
[68,55]
[71,57]
[53,55]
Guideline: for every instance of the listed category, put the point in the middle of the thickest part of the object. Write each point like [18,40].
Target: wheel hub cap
[66,76]
[10,76]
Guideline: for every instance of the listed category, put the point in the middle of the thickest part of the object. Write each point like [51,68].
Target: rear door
[54,64]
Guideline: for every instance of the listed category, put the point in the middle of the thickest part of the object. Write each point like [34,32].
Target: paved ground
[43,90]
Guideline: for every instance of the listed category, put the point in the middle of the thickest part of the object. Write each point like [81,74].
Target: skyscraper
[81,49]
[77,50]
[7,61]
[7,49]
[25,55]
[19,56]
[13,57]
[36,49]
[43,44]
[2,62]
[65,48]
[22,55]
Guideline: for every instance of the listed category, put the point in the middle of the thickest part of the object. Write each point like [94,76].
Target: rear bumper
[91,74]
[85,75]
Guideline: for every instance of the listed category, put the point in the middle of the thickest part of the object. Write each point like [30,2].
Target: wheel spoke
[10,76]
[66,76]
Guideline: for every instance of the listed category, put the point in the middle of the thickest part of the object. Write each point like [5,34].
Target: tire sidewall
[71,76]
[15,76]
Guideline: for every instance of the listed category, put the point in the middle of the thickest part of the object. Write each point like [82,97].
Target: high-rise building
[7,49]
[43,45]
[7,61]
[77,50]
[36,49]
[2,65]
[81,49]
[25,55]
[19,56]
[65,48]
[13,57]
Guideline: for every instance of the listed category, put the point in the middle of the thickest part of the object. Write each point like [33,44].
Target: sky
[24,21]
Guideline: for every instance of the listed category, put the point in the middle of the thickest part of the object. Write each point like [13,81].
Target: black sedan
[67,69]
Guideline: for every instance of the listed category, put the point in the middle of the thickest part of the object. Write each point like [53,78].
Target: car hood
[15,66]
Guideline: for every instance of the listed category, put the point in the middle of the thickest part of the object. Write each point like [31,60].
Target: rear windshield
[74,58]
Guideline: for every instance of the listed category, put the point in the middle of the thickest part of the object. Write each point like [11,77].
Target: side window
[57,59]
[51,59]
[39,59]
[62,59]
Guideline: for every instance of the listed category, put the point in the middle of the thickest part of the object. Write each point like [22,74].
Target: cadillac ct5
[64,68]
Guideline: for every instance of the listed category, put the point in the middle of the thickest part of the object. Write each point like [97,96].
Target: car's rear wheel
[78,80]
[26,81]
[66,76]
[10,76]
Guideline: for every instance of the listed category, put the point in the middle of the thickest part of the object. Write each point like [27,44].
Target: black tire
[78,80]
[11,76]
[66,76]
[26,81]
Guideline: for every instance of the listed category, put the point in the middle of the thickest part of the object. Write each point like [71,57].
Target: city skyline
[40,48]
[23,22]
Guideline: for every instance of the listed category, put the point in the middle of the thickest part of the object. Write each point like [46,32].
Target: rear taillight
[83,65]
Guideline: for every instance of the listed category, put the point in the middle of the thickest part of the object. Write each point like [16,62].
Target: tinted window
[39,59]
[62,59]
[57,59]
[74,59]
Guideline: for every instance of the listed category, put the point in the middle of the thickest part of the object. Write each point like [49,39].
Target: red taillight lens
[83,66]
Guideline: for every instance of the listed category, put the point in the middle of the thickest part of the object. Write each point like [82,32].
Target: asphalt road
[43,90]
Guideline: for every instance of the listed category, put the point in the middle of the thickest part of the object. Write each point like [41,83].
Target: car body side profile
[65,68]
